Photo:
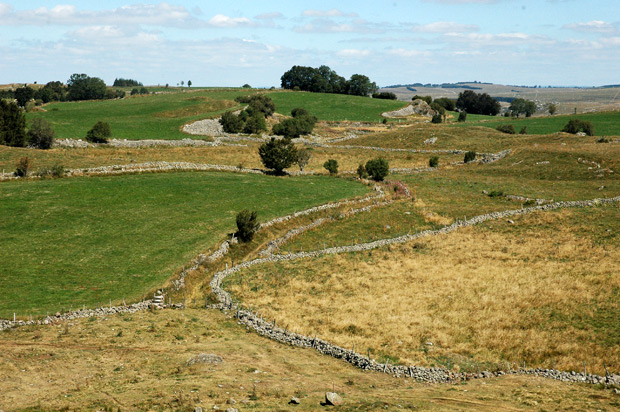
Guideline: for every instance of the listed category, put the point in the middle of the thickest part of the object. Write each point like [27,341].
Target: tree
[437,118]
[361,172]
[462,116]
[231,123]
[189,83]
[521,106]
[182,82]
[302,123]
[40,134]
[278,154]
[332,166]
[261,103]
[433,161]
[255,123]
[303,157]
[126,83]
[83,87]
[475,103]
[506,128]
[447,103]
[360,85]
[377,169]
[12,124]
[22,166]
[427,99]
[552,109]
[384,95]
[99,133]
[23,95]
[247,225]
[246,86]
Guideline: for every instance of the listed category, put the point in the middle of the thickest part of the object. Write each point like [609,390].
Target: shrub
[575,126]
[99,133]
[134,91]
[496,193]
[255,124]
[552,108]
[361,172]
[54,171]
[523,130]
[506,128]
[261,103]
[446,103]
[433,161]
[603,140]
[231,123]
[302,123]
[22,166]
[378,168]
[469,156]
[247,225]
[332,166]
[303,157]
[278,154]
[12,124]
[462,116]
[437,118]
[40,134]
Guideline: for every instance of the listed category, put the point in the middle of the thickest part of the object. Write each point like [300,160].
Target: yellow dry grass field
[544,290]
[139,362]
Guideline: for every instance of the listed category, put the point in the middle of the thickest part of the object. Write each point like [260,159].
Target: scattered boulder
[294,401]
[333,399]
[197,409]
[207,358]
[231,401]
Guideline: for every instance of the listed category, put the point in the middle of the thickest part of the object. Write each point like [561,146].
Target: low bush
[22,166]
[384,95]
[506,128]
[302,123]
[378,169]
[332,166]
[496,193]
[462,116]
[437,118]
[40,135]
[433,161]
[99,133]
[575,126]
[247,225]
[303,157]
[523,130]
[361,172]
[469,156]
[55,171]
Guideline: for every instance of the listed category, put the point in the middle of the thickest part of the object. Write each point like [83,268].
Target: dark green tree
[575,126]
[476,103]
[447,103]
[521,106]
[332,166]
[231,123]
[255,124]
[377,169]
[23,95]
[462,116]
[433,161]
[83,87]
[12,124]
[384,95]
[247,225]
[469,156]
[278,155]
[99,133]
[360,85]
[40,134]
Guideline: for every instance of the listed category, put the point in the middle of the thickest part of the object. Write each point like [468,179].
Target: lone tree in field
[12,124]
[247,225]
[377,169]
[99,133]
[277,155]
[332,166]
[40,134]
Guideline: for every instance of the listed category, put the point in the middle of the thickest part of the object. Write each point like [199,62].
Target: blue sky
[526,42]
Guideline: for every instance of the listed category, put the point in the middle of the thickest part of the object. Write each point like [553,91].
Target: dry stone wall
[432,375]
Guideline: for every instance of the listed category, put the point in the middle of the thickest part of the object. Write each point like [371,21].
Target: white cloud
[327,13]
[220,20]
[353,53]
[325,26]
[445,27]
[596,26]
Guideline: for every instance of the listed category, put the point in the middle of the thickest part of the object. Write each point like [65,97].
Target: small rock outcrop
[333,399]
[418,106]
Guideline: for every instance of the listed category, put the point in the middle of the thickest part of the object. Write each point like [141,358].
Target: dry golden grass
[541,291]
[139,363]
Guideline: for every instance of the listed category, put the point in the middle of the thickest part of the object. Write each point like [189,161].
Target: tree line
[325,80]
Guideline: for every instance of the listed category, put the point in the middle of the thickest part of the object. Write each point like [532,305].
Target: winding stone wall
[432,375]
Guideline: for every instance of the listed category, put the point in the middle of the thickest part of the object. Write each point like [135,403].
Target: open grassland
[605,123]
[155,116]
[334,107]
[348,159]
[69,242]
[139,362]
[481,296]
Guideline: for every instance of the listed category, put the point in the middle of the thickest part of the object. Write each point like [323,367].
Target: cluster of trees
[477,103]
[521,106]
[252,119]
[326,80]
[126,83]
[575,126]
[302,123]
[141,90]
[13,128]
[384,95]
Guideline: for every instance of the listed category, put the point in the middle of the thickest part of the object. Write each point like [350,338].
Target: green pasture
[154,116]
[83,241]
[335,107]
[605,123]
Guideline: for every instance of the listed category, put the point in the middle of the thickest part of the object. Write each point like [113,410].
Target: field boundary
[431,375]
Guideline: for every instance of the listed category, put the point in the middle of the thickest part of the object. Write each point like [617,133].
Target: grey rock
[294,401]
[197,409]
[332,398]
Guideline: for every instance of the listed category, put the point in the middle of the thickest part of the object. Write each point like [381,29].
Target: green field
[605,123]
[335,107]
[156,116]
[75,241]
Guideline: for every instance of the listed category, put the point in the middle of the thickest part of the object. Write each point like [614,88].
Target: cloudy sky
[229,43]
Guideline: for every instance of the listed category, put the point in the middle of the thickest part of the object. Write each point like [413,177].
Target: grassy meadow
[74,241]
